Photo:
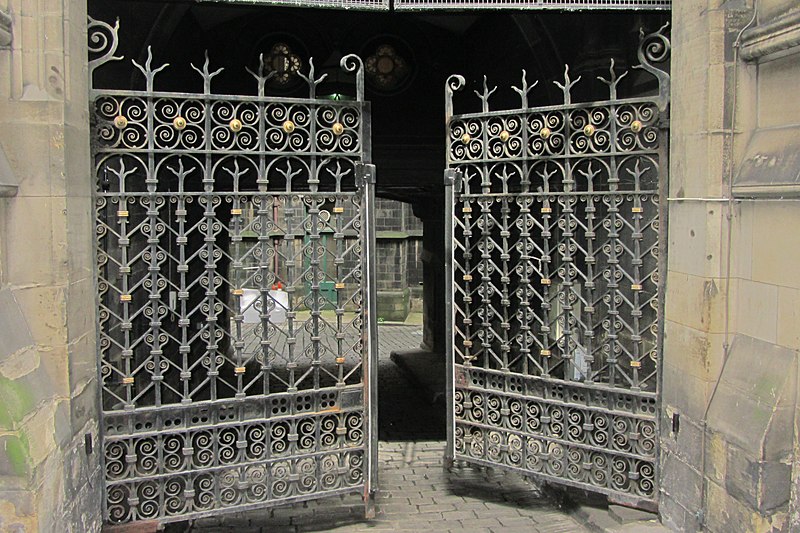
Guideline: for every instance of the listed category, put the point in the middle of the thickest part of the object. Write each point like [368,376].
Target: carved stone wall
[48,417]
[730,443]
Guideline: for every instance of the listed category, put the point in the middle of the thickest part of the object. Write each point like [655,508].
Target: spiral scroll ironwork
[557,283]
[231,260]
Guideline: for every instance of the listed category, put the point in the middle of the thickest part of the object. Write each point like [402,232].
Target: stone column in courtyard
[433,332]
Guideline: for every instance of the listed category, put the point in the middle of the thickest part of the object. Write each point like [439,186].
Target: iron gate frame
[356,459]
[515,392]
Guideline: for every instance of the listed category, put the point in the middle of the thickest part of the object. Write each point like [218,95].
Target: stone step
[617,519]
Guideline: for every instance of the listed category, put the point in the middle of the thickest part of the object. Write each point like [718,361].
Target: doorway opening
[407,58]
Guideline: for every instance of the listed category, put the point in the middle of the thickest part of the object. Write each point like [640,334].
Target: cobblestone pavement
[416,493]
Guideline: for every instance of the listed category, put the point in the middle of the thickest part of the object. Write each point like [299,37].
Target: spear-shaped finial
[149,73]
[485,96]
[311,80]
[207,74]
[612,81]
[567,86]
[261,75]
[525,89]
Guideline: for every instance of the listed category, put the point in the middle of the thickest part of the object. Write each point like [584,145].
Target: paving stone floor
[416,493]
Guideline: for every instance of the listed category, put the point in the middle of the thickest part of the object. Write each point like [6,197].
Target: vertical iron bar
[366,175]
[663,221]
[449,250]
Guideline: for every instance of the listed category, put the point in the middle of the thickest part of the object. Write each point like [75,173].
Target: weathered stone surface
[13,328]
[47,483]
[680,480]
[626,515]
[14,456]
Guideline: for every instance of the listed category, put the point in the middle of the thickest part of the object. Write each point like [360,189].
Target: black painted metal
[555,292]
[574,5]
[231,378]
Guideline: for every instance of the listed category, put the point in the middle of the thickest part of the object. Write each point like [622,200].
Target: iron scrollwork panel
[556,310]
[231,258]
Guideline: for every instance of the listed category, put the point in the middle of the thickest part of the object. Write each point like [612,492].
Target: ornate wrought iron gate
[557,242]
[229,378]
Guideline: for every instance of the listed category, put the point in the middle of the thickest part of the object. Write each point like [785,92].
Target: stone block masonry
[399,261]
[729,445]
[49,460]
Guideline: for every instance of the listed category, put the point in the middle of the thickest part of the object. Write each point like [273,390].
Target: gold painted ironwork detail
[545,133]
[122,214]
[636,126]
[636,364]
[504,136]
[588,130]
[236,211]
[127,381]
[340,360]
[466,138]
[239,370]
[547,210]
[120,122]
[288,126]
[179,123]
[338,128]
[339,286]
[546,281]
[467,277]
[338,210]
[637,209]
[466,209]
[125,298]
[235,125]
[636,287]
[545,353]
[238,292]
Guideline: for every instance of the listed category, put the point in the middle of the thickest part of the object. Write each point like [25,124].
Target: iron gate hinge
[366,173]
[452,177]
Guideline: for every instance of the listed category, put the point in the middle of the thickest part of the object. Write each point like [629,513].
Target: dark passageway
[406,410]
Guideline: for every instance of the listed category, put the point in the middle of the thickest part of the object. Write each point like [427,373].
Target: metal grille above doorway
[363,5]
[577,5]
[236,348]
[423,5]
[557,248]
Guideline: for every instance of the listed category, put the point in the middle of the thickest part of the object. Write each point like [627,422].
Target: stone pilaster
[729,376]
[48,413]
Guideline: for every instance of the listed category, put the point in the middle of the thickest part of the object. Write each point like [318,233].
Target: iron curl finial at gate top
[103,41]
[353,64]
[654,48]
[454,84]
